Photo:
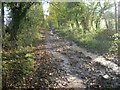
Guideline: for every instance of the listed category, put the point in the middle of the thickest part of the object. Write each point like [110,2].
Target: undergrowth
[16,65]
[100,40]
[17,56]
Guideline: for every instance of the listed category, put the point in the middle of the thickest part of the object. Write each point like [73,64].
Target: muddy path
[67,65]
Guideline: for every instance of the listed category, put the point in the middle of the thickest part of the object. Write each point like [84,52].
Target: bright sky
[45,7]
[6,16]
[46,4]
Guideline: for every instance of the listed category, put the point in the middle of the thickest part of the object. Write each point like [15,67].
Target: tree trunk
[0,20]
[72,25]
[0,47]
[15,23]
[2,15]
[77,23]
[106,23]
[119,29]
[98,23]
[18,13]
[116,22]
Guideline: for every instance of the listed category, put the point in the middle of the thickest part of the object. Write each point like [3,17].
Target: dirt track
[69,66]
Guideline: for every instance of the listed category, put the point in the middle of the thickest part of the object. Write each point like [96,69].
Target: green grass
[99,40]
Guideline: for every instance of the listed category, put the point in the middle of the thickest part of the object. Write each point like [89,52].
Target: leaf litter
[58,64]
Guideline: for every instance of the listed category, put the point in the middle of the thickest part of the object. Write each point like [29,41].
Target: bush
[97,40]
[115,44]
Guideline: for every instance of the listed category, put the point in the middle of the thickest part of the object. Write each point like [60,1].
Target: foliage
[17,50]
[116,44]
[98,41]
[82,15]
[18,11]
[17,65]
[30,26]
[86,23]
